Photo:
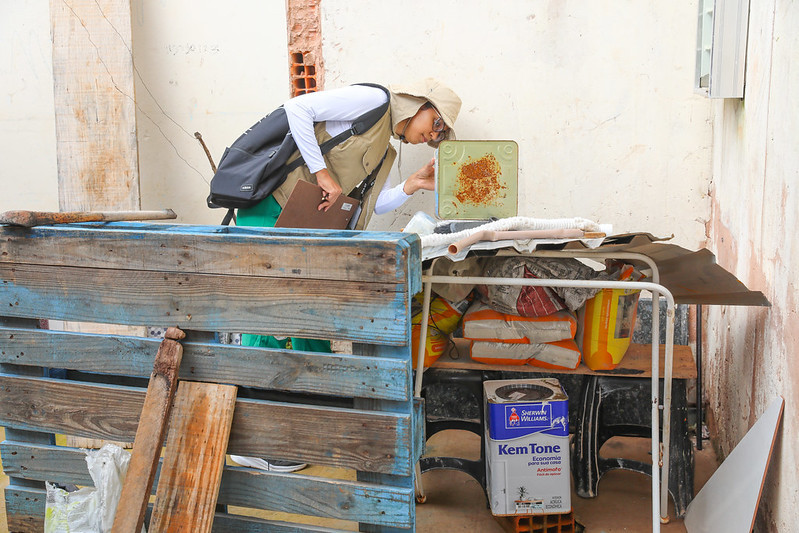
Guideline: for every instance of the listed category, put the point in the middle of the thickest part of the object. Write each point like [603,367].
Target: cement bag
[606,323]
[563,355]
[89,510]
[535,301]
[481,323]
[443,320]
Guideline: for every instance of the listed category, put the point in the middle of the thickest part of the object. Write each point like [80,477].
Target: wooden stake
[29,219]
[149,435]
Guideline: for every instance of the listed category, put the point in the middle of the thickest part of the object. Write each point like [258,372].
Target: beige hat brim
[406,99]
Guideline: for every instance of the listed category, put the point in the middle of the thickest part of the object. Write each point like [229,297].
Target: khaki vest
[349,163]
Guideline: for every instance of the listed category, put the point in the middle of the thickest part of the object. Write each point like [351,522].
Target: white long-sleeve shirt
[338,108]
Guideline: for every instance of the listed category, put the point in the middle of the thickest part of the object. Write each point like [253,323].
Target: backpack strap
[230,215]
[362,189]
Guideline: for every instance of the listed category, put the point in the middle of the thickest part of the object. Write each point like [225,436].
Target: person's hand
[330,189]
[422,179]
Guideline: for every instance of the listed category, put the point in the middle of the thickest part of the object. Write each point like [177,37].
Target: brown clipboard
[302,209]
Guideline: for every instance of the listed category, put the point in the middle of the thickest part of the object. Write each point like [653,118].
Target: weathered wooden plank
[95,110]
[362,440]
[45,462]
[10,366]
[72,408]
[26,507]
[308,309]
[307,372]
[415,443]
[350,438]
[227,523]
[150,434]
[291,493]
[330,498]
[270,252]
[194,458]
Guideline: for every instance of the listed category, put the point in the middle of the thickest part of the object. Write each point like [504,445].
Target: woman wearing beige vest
[420,112]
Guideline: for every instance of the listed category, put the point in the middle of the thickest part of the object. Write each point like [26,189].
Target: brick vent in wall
[302,74]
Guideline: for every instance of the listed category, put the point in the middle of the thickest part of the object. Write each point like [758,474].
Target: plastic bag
[90,509]
[71,512]
[532,300]
[443,319]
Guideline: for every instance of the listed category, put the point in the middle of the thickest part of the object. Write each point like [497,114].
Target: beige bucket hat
[406,99]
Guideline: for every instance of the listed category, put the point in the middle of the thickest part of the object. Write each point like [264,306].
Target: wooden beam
[95,106]
[150,435]
[309,372]
[352,438]
[258,252]
[194,458]
[268,306]
[338,499]
[95,116]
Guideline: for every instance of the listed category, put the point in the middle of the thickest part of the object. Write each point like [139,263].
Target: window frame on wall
[722,28]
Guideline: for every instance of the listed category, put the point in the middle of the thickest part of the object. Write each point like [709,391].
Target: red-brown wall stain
[717,382]
[762,341]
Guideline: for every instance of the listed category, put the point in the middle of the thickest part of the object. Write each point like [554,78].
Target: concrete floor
[456,502]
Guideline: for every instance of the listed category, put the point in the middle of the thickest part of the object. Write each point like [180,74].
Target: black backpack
[255,164]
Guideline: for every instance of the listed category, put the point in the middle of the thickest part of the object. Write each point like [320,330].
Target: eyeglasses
[438,123]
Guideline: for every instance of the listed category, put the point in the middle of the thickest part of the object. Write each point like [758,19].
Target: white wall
[204,66]
[599,98]
[598,95]
[200,66]
[28,177]
[751,356]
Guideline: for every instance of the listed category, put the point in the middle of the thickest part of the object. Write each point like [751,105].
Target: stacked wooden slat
[353,410]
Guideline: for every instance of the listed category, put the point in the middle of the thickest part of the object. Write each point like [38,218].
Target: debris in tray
[478,181]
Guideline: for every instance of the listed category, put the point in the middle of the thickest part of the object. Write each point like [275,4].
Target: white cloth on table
[436,244]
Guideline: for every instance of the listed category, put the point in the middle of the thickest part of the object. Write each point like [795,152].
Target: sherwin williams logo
[534,416]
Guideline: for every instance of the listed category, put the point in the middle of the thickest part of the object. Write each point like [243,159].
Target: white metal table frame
[660,493]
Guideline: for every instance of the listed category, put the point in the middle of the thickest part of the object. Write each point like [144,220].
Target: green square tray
[477,179]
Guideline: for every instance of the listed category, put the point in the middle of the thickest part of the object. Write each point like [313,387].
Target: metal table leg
[699,405]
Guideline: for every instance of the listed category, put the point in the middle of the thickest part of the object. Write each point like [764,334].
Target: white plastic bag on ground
[89,510]
[71,512]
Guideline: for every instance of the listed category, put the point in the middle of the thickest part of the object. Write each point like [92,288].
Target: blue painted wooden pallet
[353,410]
